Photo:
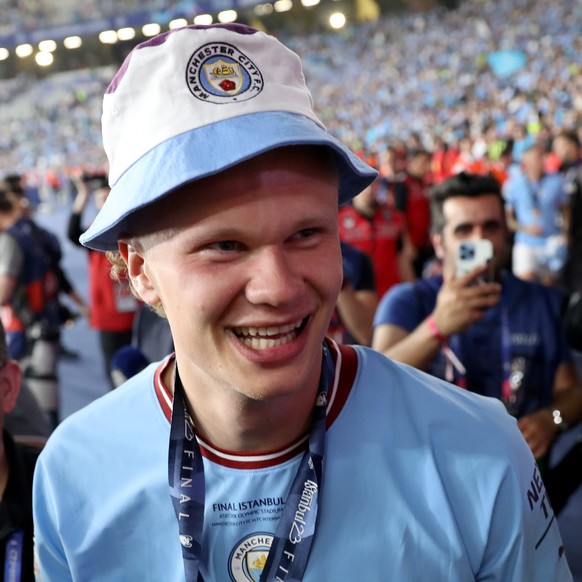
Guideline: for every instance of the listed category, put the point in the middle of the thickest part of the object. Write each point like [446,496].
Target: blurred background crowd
[489,71]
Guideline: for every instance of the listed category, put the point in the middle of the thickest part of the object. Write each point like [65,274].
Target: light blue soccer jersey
[422,481]
[537,204]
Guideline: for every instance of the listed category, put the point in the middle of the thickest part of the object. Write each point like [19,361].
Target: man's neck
[236,423]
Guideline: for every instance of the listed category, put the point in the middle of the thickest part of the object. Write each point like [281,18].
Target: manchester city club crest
[220,73]
[247,560]
[224,76]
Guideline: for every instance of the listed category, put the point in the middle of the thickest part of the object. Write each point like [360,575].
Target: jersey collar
[346,367]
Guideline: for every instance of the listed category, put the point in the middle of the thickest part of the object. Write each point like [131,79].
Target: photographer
[112,306]
[29,301]
[503,338]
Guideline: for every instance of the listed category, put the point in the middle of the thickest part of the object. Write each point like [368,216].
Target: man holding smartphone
[502,338]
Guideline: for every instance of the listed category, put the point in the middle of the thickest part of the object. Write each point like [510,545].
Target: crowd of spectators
[430,74]
[429,77]
[53,125]
[19,15]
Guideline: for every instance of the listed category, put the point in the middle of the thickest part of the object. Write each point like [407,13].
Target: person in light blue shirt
[536,205]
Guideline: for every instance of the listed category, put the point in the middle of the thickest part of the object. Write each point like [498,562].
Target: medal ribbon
[295,532]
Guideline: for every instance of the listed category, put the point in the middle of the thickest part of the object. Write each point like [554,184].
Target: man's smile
[264,338]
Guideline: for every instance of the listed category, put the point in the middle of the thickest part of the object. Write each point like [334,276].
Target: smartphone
[472,254]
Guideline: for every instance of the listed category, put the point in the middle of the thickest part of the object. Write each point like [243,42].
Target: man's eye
[492,227]
[226,246]
[306,233]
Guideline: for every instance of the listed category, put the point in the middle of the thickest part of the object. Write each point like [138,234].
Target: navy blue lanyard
[295,532]
[506,391]
[13,557]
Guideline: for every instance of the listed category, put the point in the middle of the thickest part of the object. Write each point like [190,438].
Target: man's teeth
[266,344]
[268,331]
[262,338]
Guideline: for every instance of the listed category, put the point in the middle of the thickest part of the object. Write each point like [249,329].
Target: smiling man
[261,450]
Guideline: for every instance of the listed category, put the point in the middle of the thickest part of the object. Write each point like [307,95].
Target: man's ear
[10,379]
[137,273]
[437,243]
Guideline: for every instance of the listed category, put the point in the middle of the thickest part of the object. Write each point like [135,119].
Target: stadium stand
[434,74]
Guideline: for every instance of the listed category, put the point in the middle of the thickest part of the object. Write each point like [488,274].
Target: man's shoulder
[424,285]
[49,240]
[419,400]
[11,253]
[533,292]
[516,180]
[408,303]
[7,239]
[554,179]
[111,420]
[405,381]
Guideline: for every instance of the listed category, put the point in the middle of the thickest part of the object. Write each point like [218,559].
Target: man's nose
[274,279]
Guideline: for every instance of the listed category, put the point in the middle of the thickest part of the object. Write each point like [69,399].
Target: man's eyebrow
[488,222]
[204,230]
[312,219]
[463,226]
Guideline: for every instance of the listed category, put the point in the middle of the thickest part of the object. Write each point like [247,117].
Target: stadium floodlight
[4,54]
[23,50]
[283,5]
[337,20]
[73,42]
[108,37]
[203,20]
[151,29]
[178,23]
[126,33]
[263,9]
[44,59]
[47,46]
[227,16]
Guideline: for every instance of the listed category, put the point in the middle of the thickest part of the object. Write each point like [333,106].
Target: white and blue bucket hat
[195,101]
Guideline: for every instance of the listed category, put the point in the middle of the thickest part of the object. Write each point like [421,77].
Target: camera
[94,180]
